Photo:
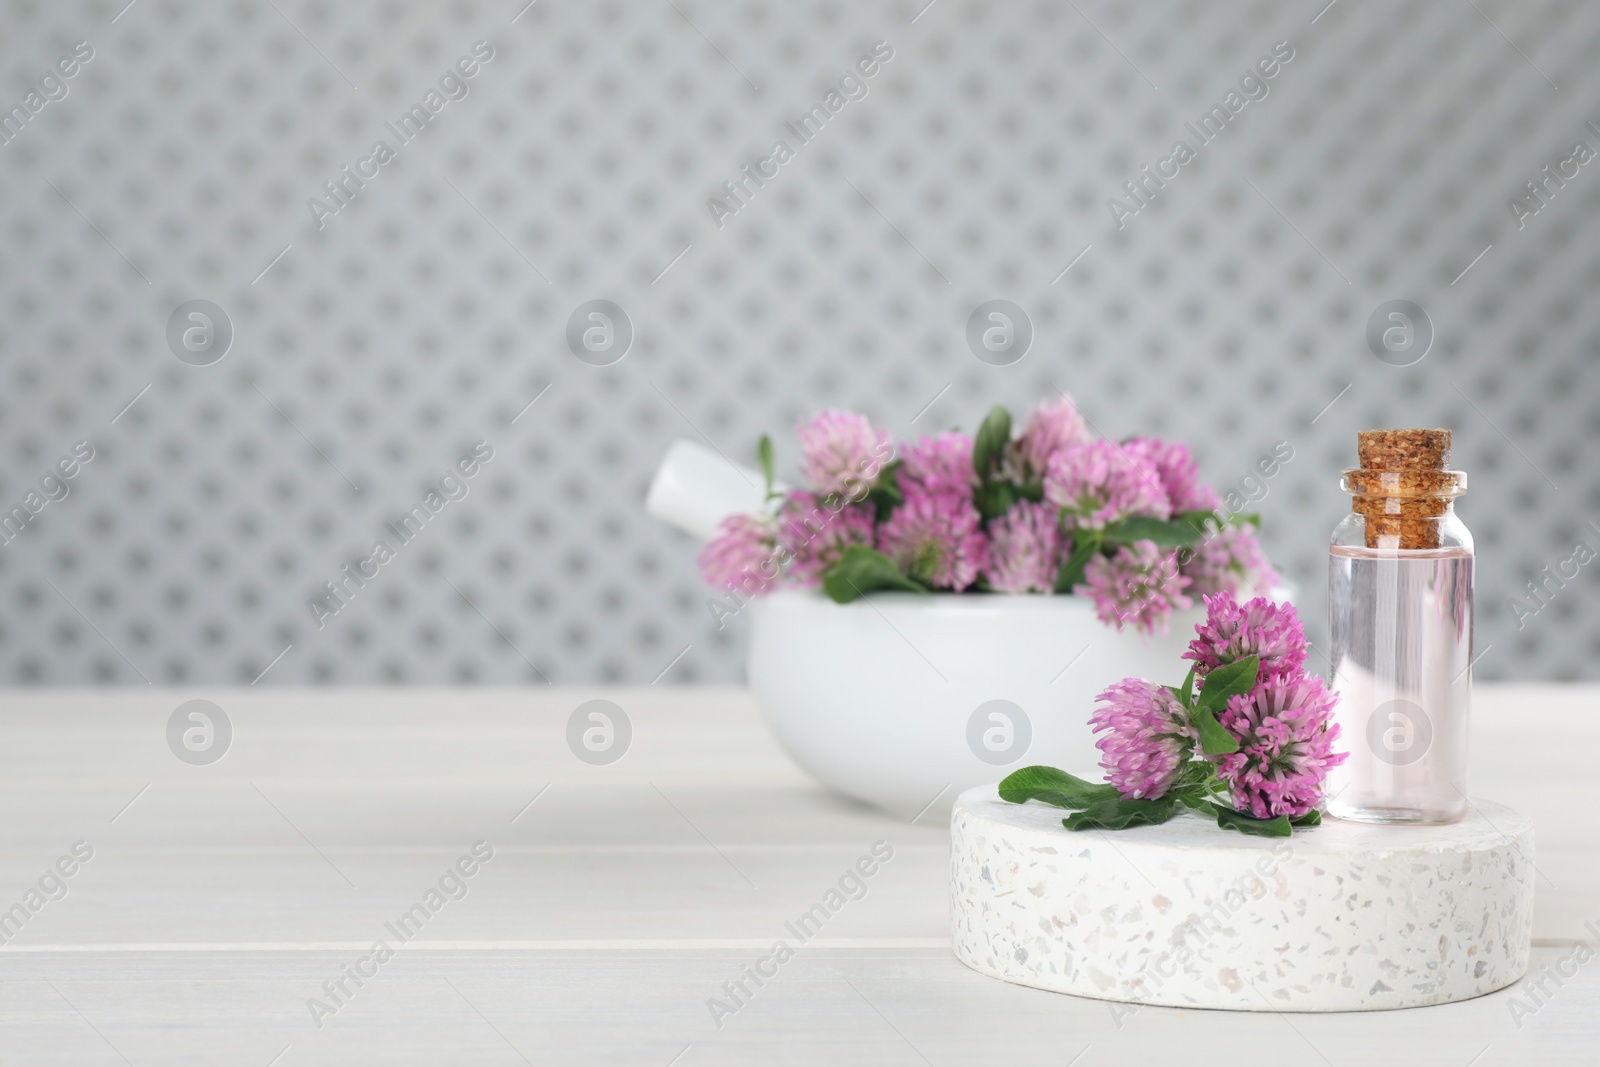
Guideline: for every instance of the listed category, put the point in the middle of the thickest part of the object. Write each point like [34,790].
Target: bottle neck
[1393,505]
[1404,509]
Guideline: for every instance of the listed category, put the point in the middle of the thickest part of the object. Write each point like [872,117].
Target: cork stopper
[1403,486]
[1403,450]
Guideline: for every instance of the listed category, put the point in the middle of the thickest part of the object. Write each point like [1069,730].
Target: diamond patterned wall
[394,311]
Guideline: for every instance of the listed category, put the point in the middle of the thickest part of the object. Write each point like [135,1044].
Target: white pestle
[695,488]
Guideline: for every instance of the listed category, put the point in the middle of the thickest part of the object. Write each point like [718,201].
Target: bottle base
[1399,816]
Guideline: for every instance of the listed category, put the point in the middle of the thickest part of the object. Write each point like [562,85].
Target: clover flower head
[1146,737]
[940,465]
[842,452]
[936,538]
[1229,560]
[1098,483]
[1286,734]
[816,530]
[1139,584]
[1025,549]
[743,556]
[1259,627]
[1178,471]
[1054,425]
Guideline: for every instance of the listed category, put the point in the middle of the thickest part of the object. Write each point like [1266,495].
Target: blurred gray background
[371,353]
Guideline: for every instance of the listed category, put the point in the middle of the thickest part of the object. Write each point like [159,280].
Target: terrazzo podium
[1341,917]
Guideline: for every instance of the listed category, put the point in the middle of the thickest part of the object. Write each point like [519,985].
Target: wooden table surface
[222,902]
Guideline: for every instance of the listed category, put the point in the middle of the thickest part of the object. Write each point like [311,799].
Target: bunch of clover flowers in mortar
[1252,745]
[1051,509]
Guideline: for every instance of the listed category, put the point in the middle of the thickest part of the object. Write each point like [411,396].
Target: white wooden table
[221,898]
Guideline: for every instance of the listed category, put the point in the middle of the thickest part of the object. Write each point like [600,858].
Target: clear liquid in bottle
[1401,626]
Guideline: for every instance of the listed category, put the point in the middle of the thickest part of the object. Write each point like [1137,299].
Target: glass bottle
[1400,620]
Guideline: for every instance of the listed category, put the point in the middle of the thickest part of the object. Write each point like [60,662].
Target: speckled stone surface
[1342,917]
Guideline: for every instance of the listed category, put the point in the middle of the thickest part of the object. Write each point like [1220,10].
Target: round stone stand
[1340,917]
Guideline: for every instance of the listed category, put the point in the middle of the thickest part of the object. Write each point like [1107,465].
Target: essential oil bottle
[1400,619]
